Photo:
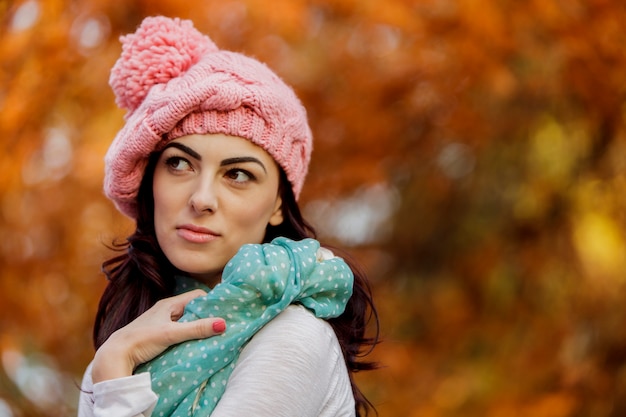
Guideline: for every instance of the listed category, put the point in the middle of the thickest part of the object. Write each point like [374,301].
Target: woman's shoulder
[298,315]
[295,360]
[298,336]
[300,326]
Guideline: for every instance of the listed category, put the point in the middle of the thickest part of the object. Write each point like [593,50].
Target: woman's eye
[239,175]
[177,163]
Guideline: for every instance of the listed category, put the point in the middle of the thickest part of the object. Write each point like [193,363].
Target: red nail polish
[219,326]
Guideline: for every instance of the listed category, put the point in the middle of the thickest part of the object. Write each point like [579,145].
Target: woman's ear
[277,214]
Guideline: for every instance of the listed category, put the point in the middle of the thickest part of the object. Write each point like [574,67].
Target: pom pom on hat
[174,81]
[160,50]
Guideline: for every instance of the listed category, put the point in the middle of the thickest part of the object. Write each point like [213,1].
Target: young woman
[222,302]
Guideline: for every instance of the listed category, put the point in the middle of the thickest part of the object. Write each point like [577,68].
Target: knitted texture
[257,284]
[174,81]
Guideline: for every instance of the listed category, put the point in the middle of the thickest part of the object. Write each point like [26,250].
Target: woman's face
[212,194]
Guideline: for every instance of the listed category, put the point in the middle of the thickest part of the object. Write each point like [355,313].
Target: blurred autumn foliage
[471,154]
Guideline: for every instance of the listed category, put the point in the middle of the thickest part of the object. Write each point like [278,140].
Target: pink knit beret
[174,81]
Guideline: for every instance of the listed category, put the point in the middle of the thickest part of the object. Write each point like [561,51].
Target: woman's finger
[186,297]
[176,304]
[198,329]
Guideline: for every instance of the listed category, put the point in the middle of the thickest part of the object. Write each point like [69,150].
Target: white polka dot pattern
[257,284]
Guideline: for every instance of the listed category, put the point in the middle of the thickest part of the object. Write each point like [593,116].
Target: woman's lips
[196,234]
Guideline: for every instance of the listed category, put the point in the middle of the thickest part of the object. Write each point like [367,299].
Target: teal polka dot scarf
[257,284]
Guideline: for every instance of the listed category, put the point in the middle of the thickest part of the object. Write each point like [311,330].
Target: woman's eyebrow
[185,149]
[240,159]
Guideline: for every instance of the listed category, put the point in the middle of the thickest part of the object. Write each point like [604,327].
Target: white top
[291,367]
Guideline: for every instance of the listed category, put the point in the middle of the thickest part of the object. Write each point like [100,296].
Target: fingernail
[219,326]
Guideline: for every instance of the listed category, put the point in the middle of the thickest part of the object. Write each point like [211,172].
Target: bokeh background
[471,154]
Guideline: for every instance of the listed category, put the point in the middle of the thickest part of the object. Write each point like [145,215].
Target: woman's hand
[149,335]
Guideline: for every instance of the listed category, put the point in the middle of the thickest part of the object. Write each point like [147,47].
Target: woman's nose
[204,197]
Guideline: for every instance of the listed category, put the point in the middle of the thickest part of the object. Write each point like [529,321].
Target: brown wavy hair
[141,275]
